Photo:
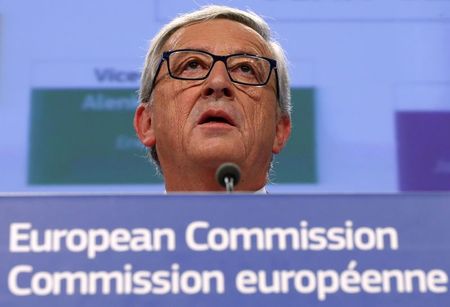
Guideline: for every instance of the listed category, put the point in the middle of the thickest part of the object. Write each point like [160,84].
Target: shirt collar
[263,190]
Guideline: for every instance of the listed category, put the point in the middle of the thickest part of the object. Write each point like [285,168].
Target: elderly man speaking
[214,89]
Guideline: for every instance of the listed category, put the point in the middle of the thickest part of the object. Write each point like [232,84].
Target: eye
[191,65]
[247,69]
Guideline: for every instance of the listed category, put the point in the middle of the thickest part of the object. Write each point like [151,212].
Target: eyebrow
[238,51]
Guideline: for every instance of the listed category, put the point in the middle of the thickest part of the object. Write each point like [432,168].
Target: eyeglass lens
[193,65]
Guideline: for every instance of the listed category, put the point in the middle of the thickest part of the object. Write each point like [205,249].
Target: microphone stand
[229,184]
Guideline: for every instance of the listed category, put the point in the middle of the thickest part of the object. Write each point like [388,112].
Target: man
[214,89]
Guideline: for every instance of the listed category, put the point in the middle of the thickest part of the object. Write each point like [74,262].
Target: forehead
[219,36]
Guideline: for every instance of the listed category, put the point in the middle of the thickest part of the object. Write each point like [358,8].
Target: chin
[214,150]
[215,155]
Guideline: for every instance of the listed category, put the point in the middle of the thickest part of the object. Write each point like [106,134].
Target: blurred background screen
[370,89]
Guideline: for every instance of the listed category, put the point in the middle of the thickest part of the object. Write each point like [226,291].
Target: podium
[225,250]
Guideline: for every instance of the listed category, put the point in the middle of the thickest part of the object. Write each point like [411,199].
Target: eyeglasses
[191,64]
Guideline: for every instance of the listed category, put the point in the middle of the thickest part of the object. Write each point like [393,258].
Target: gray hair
[206,13]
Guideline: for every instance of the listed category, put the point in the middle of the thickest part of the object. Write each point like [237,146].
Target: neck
[203,179]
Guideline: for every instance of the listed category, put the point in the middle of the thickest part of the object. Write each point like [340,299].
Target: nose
[218,83]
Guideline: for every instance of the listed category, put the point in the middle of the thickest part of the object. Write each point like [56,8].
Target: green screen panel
[297,161]
[86,136]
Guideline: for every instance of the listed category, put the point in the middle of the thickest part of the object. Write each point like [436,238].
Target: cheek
[173,107]
[262,118]
[260,109]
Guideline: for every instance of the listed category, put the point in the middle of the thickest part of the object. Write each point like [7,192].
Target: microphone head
[229,170]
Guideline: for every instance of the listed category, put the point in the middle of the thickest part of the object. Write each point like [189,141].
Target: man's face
[208,122]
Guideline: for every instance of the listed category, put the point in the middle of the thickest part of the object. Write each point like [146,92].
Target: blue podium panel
[225,250]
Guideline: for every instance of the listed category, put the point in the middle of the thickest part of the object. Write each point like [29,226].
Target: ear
[143,125]
[282,133]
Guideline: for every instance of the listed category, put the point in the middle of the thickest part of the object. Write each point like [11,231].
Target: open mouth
[216,118]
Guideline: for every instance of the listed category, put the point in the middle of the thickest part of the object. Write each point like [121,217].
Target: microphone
[228,175]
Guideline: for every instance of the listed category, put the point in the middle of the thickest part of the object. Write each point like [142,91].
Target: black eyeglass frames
[242,68]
